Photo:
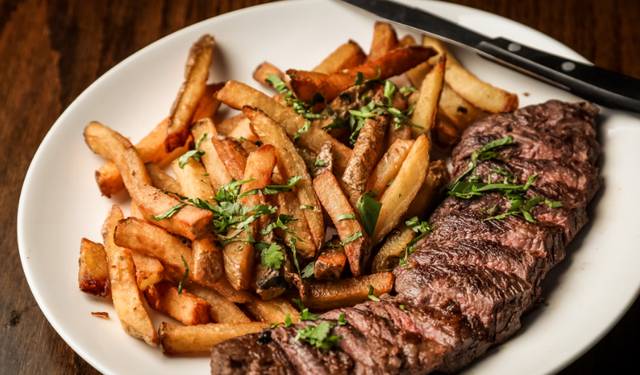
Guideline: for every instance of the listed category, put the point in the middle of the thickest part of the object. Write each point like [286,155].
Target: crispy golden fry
[330,263]
[124,291]
[346,56]
[149,270]
[222,310]
[424,114]
[233,156]
[348,292]
[364,156]
[272,311]
[324,161]
[427,196]
[189,221]
[208,262]
[445,132]
[218,174]
[403,133]
[185,307]
[393,249]
[193,340]
[228,125]
[238,95]
[384,41]
[336,204]
[242,130]
[239,259]
[227,291]
[471,88]
[403,189]
[388,167]
[260,74]
[93,276]
[190,93]
[307,84]
[289,164]
[151,150]
[416,75]
[259,167]
[193,180]
[161,180]
[458,111]
[288,204]
[208,105]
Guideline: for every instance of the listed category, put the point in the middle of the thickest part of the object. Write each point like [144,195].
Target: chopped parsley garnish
[168,213]
[306,207]
[371,296]
[309,270]
[401,307]
[277,83]
[369,210]
[281,223]
[345,217]
[186,274]
[273,325]
[359,79]
[304,312]
[485,153]
[287,321]
[196,154]
[292,245]
[273,189]
[271,255]
[423,228]
[318,335]
[342,320]
[351,238]
[390,182]
[318,163]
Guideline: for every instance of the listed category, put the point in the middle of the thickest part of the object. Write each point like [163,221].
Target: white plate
[587,293]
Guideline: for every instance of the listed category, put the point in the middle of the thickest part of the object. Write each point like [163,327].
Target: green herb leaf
[318,163]
[480,154]
[342,320]
[287,321]
[168,213]
[306,207]
[359,79]
[317,335]
[345,217]
[408,89]
[273,325]
[271,255]
[186,274]
[389,90]
[304,312]
[401,307]
[309,270]
[352,238]
[277,83]
[292,245]
[281,223]
[371,296]
[369,210]
[390,182]
[196,154]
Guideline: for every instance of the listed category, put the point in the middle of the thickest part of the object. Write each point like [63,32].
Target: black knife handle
[595,84]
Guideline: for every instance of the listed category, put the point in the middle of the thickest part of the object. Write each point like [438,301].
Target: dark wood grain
[51,50]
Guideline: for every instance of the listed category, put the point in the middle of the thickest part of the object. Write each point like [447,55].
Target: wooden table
[51,50]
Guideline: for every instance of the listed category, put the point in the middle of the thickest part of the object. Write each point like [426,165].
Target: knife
[592,83]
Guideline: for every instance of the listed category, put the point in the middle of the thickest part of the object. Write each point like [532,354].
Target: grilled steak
[469,281]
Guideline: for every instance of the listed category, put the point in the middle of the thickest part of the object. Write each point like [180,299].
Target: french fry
[388,167]
[323,162]
[208,105]
[233,156]
[222,310]
[93,276]
[243,130]
[458,111]
[337,205]
[393,249]
[427,196]
[364,156]
[161,180]
[261,72]
[384,41]
[287,203]
[416,75]
[403,189]
[239,259]
[194,340]
[228,125]
[272,311]
[424,114]
[289,164]
[189,221]
[307,84]
[238,95]
[269,283]
[124,291]
[190,93]
[403,133]
[227,291]
[208,262]
[193,180]
[151,150]
[149,270]
[330,263]
[185,307]
[471,88]
[218,174]
[346,56]
[259,167]
[348,292]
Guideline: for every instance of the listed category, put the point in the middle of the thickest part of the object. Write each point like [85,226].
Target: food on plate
[388,166]
[161,180]
[346,56]
[330,262]
[426,107]
[208,261]
[272,311]
[185,307]
[348,292]
[216,171]
[261,74]
[223,310]
[180,340]
[192,181]
[93,276]
[393,249]
[149,270]
[384,41]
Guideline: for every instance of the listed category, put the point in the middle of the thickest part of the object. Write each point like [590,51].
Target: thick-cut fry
[471,88]
[218,174]
[208,105]
[416,75]
[424,114]
[261,72]
[233,156]
[184,306]
[330,263]
[289,164]
[242,130]
[222,310]
[403,189]
[161,180]
[384,41]
[427,196]
[189,221]
[348,292]
[393,249]
[272,311]
[124,291]
[239,259]
[288,204]
[388,167]
[149,270]
[93,276]
[458,111]
[208,262]
[402,133]
[346,56]
[259,167]
[228,125]
[324,161]
[307,84]
[227,291]
[238,95]
[190,93]
[364,156]
[193,340]
[193,180]
[336,204]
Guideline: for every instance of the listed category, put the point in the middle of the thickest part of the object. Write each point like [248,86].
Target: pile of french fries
[240,229]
